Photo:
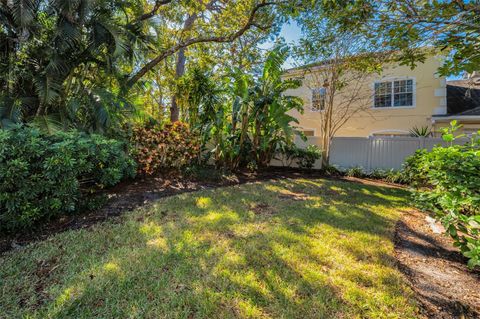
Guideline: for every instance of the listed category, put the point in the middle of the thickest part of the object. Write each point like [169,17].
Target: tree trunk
[326,140]
[180,70]
[325,157]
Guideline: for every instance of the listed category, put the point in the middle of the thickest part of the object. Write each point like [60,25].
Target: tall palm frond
[47,88]
[273,64]
[10,112]
[23,12]
[48,124]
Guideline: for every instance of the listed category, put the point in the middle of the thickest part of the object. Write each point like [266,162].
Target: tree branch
[154,10]
[215,39]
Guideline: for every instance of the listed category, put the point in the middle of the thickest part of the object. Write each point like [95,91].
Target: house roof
[463,98]
[475,111]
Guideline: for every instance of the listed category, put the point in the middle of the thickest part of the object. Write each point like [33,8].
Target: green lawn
[281,249]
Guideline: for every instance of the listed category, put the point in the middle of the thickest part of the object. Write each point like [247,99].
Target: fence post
[368,159]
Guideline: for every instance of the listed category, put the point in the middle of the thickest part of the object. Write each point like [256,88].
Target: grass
[281,249]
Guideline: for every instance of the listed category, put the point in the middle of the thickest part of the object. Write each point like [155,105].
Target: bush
[396,177]
[172,146]
[42,176]
[356,171]
[303,157]
[331,170]
[446,181]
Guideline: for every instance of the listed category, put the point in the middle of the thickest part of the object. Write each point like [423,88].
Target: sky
[291,32]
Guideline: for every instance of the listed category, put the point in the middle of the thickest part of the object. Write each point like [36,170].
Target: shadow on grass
[296,249]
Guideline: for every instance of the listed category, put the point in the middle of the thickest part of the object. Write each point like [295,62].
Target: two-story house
[398,99]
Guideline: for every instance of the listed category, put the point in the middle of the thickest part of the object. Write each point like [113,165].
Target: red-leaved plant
[166,147]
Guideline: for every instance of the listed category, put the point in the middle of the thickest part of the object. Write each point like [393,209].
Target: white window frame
[311,99]
[392,80]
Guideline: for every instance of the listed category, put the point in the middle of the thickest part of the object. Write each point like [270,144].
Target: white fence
[373,152]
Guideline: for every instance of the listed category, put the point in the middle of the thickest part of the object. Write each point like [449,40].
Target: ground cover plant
[446,181]
[288,248]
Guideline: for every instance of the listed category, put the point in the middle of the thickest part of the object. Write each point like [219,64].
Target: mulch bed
[437,272]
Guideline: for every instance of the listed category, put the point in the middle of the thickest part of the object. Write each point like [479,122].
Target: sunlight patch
[111,267]
[338,190]
[151,229]
[69,294]
[204,202]
[248,309]
[160,243]
[216,217]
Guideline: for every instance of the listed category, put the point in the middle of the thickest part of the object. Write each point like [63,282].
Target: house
[393,102]
[463,104]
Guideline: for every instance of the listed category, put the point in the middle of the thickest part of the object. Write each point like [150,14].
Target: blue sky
[291,32]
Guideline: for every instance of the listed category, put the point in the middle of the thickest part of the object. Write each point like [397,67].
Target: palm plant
[60,61]
[423,131]
[270,118]
[254,121]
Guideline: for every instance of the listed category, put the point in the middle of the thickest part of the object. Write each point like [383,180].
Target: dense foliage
[42,176]
[302,157]
[452,27]
[447,182]
[61,62]
[389,176]
[156,148]
[244,120]
[93,64]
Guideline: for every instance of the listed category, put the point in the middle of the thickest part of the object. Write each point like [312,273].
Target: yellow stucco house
[394,101]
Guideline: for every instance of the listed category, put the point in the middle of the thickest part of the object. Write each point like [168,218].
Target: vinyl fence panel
[372,153]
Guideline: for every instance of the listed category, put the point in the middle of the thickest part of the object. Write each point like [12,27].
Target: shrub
[331,170]
[377,173]
[171,146]
[356,171]
[42,176]
[303,157]
[395,176]
[447,182]
[306,157]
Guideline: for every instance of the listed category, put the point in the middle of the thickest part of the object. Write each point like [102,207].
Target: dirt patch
[262,209]
[295,196]
[437,272]
[372,182]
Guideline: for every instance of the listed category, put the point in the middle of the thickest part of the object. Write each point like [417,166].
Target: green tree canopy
[452,27]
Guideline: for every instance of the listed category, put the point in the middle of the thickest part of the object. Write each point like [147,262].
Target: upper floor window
[318,99]
[396,93]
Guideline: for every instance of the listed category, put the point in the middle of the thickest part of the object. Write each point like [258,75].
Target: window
[318,99]
[396,93]
[308,133]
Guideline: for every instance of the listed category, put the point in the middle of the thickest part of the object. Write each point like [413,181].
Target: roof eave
[463,118]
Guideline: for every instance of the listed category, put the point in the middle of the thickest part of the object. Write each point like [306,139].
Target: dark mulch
[129,195]
[437,272]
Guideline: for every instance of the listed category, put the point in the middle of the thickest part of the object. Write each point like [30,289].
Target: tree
[339,65]
[243,115]
[223,23]
[86,63]
[60,62]
[405,25]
